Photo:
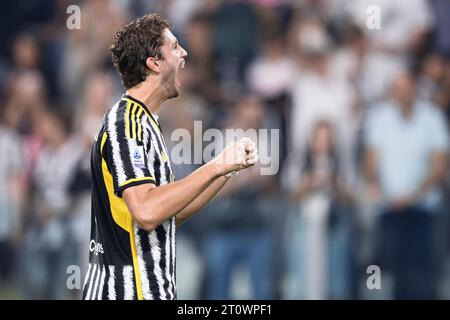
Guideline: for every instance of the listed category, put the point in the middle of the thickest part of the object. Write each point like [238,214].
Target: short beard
[168,83]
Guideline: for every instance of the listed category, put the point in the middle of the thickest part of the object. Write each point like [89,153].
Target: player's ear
[153,64]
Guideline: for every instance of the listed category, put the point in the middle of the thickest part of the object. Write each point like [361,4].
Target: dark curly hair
[134,43]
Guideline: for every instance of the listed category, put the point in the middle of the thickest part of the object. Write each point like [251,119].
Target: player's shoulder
[115,114]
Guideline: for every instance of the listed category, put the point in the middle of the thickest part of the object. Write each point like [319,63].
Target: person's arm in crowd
[371,173]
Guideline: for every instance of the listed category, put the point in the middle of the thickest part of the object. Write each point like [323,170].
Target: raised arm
[202,200]
[151,205]
[218,183]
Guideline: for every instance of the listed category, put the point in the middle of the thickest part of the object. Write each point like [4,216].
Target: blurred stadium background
[311,68]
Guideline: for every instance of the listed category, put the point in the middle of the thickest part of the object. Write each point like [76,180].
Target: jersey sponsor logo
[96,247]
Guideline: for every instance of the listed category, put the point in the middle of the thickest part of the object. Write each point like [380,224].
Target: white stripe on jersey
[94,293]
[156,254]
[174,248]
[153,138]
[91,282]
[166,226]
[102,283]
[156,142]
[146,293]
[112,132]
[111,284]
[87,276]
[128,282]
[166,151]
[151,152]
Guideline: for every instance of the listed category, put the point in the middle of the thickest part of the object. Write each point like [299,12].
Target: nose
[183,53]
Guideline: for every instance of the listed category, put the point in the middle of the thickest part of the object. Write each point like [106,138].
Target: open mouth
[177,81]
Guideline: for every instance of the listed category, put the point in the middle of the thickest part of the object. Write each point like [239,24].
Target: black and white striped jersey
[125,261]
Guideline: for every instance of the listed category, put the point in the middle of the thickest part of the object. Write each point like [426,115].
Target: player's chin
[177,87]
[174,91]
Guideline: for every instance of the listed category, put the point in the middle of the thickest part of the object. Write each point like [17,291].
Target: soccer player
[136,204]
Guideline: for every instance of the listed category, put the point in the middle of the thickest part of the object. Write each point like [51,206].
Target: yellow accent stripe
[149,116]
[164,156]
[127,120]
[119,210]
[122,217]
[137,274]
[133,121]
[137,179]
[139,132]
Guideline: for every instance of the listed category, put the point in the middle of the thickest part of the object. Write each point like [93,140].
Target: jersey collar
[154,117]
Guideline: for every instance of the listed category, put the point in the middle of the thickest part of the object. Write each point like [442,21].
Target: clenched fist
[237,156]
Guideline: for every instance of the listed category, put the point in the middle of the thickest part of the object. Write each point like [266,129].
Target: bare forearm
[151,205]
[371,166]
[202,200]
[158,204]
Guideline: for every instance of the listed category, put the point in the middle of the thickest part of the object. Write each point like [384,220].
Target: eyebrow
[175,43]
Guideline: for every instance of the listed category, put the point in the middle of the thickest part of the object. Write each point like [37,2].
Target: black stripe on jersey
[160,232]
[105,153]
[149,262]
[157,170]
[127,166]
[90,286]
[161,236]
[104,288]
[171,253]
[108,149]
[136,183]
[163,149]
[158,157]
[87,281]
[124,149]
[166,163]
[165,253]
[118,283]
[166,166]
[174,269]
[147,159]
[96,282]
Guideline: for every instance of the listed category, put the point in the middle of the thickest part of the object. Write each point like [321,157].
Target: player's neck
[151,94]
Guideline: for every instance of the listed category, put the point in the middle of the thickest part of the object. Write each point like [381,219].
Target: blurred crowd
[363,115]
